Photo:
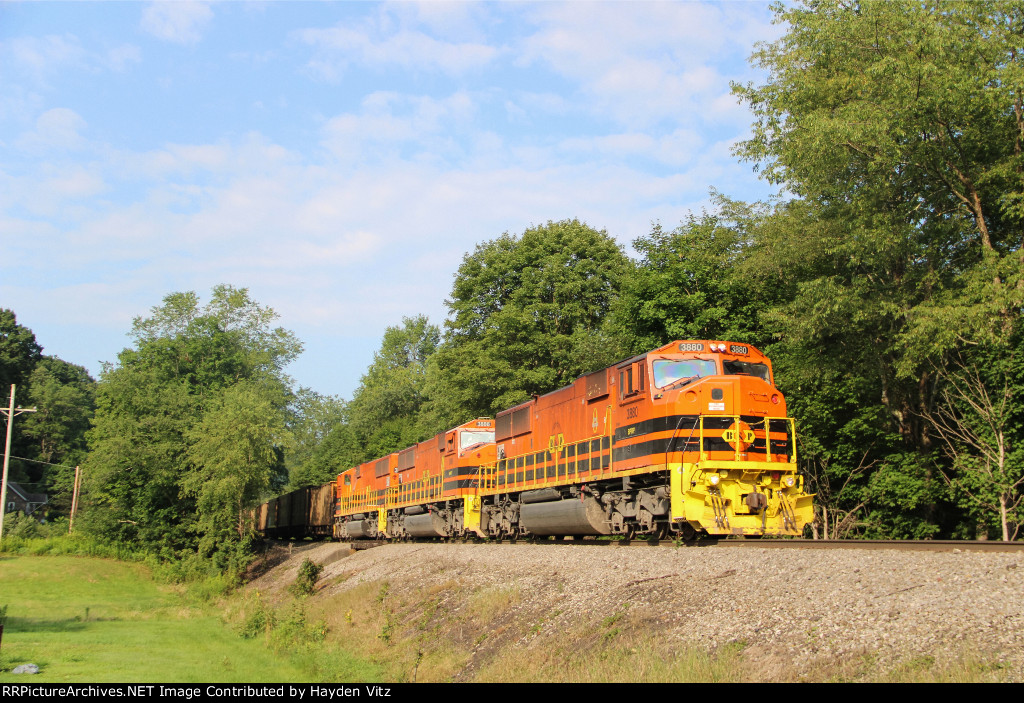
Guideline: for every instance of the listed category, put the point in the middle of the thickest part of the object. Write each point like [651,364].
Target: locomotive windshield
[746,368]
[668,371]
[468,438]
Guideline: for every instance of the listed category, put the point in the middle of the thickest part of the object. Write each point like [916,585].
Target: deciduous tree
[524,314]
[899,129]
[199,399]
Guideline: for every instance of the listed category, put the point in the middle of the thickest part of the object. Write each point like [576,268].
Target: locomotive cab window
[632,380]
[672,372]
[469,438]
[736,367]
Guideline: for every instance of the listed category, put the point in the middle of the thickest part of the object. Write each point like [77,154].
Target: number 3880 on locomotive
[690,438]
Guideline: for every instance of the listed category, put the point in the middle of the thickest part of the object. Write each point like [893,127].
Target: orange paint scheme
[443,468]
[641,415]
[690,437]
[364,487]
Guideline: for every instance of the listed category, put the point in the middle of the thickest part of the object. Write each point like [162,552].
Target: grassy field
[98,620]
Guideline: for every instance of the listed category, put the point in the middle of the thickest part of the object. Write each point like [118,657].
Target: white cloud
[454,20]
[38,60]
[177,21]
[388,121]
[121,57]
[642,63]
[381,42]
[75,183]
[677,148]
[56,129]
[43,55]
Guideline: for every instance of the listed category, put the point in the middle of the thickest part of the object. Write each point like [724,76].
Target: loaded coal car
[306,512]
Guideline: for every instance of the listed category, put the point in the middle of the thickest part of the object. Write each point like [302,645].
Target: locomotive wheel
[660,530]
[687,533]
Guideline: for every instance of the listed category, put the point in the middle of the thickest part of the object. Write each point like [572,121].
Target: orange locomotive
[422,491]
[691,437]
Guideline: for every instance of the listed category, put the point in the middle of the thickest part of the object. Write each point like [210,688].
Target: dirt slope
[793,613]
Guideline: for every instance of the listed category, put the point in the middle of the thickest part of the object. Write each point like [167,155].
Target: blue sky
[339,158]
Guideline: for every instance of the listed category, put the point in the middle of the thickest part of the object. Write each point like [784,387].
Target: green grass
[98,620]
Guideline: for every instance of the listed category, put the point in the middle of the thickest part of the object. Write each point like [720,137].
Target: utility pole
[11,413]
[74,498]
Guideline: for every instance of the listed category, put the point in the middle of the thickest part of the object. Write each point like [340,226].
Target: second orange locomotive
[689,438]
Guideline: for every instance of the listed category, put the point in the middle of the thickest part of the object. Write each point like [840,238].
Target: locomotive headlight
[791,481]
[713,479]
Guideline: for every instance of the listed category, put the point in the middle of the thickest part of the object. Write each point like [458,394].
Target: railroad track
[904,545]
[707,542]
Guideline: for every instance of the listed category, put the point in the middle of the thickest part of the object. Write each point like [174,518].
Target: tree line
[49,443]
[885,282]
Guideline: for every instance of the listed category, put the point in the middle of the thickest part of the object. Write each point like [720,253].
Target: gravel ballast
[797,606]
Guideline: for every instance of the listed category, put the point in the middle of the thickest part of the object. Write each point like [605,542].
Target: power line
[40,461]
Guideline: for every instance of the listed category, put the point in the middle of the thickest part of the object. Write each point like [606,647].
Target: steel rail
[707,542]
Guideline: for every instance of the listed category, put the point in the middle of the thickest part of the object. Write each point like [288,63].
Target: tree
[46,444]
[201,396]
[524,314]
[19,351]
[905,121]
[233,452]
[698,281]
[384,413]
[313,417]
[981,427]
[898,128]
[64,395]
[19,354]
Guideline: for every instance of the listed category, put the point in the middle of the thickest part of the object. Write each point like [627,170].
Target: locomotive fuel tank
[565,517]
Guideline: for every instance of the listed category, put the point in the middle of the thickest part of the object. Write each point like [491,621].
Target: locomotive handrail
[672,440]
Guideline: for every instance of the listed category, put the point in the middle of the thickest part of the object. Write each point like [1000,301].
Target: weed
[416,666]
[610,621]
[387,629]
[260,620]
[305,581]
[967,667]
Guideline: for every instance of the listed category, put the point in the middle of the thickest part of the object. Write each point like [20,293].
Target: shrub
[305,581]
